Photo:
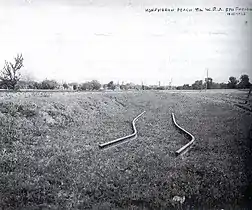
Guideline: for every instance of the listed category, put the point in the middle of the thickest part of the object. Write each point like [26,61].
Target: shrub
[75,87]
[232,83]
[197,85]
[49,84]
[111,85]
[86,86]
[95,85]
[161,88]
[65,86]
[244,82]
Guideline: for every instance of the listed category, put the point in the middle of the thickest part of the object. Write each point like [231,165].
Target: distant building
[60,87]
[73,86]
[105,87]
[70,87]
[117,87]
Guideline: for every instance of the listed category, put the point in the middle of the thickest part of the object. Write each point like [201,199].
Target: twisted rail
[182,149]
[134,134]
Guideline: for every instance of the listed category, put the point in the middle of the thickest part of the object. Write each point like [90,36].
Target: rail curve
[134,134]
[182,149]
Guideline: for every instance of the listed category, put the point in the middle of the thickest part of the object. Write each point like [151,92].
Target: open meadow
[50,159]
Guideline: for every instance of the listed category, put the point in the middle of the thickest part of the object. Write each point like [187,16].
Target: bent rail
[182,149]
[134,134]
[246,108]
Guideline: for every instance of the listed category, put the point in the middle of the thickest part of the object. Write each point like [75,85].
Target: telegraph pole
[170,84]
[207,79]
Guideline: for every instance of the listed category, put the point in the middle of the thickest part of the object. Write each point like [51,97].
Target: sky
[77,41]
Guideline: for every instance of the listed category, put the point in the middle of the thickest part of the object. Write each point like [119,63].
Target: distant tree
[65,86]
[27,81]
[49,84]
[2,85]
[244,81]
[186,87]
[179,87]
[197,85]
[111,85]
[31,85]
[86,86]
[223,85]
[215,85]
[154,87]
[75,86]
[123,87]
[95,85]
[133,86]
[21,84]
[232,83]
[37,85]
[10,74]
[160,88]
[146,87]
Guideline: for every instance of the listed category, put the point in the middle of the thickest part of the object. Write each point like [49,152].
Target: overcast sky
[117,40]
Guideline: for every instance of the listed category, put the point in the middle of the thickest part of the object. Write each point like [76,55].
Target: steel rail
[182,149]
[134,134]
[243,107]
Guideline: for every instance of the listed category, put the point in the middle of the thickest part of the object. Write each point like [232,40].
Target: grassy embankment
[50,157]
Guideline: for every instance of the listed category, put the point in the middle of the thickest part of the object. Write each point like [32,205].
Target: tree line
[10,78]
[232,83]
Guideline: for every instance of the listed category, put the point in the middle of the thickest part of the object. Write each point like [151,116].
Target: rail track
[243,106]
[192,139]
[134,134]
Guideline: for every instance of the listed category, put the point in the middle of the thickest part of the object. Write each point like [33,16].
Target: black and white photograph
[125,104]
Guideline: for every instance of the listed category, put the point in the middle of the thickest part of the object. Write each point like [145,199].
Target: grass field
[50,159]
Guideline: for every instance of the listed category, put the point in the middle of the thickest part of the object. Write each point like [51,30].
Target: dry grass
[50,157]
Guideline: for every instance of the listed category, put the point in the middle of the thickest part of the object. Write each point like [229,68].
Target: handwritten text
[227,10]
